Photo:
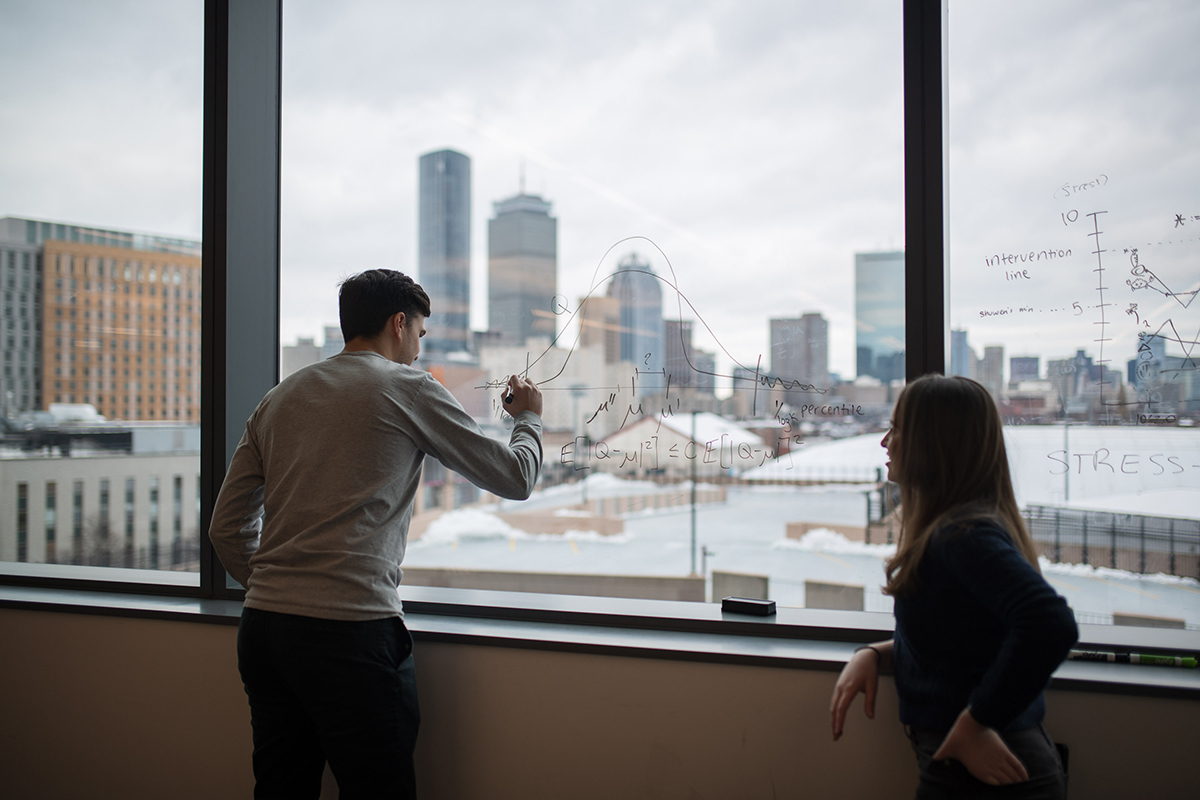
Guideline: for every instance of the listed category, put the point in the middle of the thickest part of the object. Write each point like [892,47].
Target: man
[313,520]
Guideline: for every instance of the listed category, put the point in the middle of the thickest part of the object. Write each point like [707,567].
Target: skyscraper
[706,371]
[678,357]
[800,352]
[962,357]
[879,314]
[636,288]
[522,269]
[990,370]
[444,248]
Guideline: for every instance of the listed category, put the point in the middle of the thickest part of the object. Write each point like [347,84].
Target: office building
[990,370]
[1168,382]
[800,354]
[20,317]
[334,342]
[1082,386]
[753,397]
[600,325]
[295,357]
[678,354]
[1023,368]
[128,496]
[962,357]
[119,317]
[583,373]
[879,314]
[444,249]
[636,287]
[706,371]
[522,269]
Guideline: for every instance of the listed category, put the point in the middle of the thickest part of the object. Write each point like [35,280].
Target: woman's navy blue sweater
[981,628]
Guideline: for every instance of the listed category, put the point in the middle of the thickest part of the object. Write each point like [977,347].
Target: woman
[978,630]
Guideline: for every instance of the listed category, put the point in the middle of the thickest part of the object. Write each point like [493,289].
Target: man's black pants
[322,690]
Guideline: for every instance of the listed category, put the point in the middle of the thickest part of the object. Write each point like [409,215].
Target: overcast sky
[757,144]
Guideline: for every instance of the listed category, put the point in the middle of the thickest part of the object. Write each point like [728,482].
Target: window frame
[239,320]
[241,224]
[239,354]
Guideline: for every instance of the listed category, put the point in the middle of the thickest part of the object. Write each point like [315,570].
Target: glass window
[177,556]
[651,214]
[129,517]
[22,553]
[1074,230]
[153,519]
[102,527]
[77,544]
[51,518]
[76,194]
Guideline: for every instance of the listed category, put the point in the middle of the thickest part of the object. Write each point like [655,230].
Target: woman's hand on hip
[981,750]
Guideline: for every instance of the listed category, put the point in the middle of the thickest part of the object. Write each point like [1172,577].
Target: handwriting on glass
[1070,189]
[1105,461]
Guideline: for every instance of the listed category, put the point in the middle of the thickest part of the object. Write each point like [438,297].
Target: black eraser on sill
[748,605]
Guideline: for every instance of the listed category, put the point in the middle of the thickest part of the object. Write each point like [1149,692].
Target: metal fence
[1132,542]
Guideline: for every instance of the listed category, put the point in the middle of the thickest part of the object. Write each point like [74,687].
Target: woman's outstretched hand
[981,750]
[861,674]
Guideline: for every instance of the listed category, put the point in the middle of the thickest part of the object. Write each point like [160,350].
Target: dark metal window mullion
[212,281]
[240,259]
[924,198]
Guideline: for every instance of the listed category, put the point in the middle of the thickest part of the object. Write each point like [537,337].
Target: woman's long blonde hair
[949,444]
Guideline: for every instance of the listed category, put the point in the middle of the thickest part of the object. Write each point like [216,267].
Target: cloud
[759,144]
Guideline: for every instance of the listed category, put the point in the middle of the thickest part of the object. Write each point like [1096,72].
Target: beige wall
[103,707]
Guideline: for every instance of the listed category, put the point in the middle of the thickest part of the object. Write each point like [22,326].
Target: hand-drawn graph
[1144,278]
[642,389]
[759,377]
[1156,329]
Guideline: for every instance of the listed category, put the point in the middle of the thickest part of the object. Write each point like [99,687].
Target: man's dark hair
[368,299]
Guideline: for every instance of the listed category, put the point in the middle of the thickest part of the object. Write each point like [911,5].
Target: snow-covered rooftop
[709,428]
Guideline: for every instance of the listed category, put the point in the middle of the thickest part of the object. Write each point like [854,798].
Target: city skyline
[991,367]
[707,146]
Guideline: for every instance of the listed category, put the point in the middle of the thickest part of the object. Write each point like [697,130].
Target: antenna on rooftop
[522,176]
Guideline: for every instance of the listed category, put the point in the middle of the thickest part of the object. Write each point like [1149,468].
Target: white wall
[104,707]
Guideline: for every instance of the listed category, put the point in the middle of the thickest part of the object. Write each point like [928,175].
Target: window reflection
[100,324]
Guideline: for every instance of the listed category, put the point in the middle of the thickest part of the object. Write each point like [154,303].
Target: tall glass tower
[879,314]
[444,248]
[637,289]
[522,269]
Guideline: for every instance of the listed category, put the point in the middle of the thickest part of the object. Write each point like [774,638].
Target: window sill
[795,638]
